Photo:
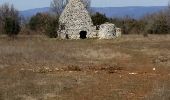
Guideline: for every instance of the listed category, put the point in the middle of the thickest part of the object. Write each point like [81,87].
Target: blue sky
[29,4]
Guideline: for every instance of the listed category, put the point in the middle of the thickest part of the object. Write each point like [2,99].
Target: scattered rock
[161,59]
[133,73]
[57,69]
[73,68]
[112,69]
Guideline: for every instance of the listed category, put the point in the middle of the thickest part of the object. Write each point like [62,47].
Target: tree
[44,23]
[168,16]
[38,21]
[7,10]
[51,27]
[34,22]
[99,19]
[161,25]
[12,27]
[157,23]
[10,19]
[87,4]
[57,6]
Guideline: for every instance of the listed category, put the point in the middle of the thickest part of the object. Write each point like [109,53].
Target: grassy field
[129,68]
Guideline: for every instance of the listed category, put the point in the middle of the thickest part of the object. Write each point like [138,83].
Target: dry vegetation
[129,68]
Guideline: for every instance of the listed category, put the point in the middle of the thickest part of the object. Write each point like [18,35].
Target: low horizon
[98,7]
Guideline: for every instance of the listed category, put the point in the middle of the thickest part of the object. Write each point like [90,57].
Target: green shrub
[51,28]
[9,20]
[99,18]
[33,23]
[12,26]
[36,22]
[44,23]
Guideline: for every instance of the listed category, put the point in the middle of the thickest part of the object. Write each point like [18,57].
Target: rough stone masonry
[76,23]
[109,31]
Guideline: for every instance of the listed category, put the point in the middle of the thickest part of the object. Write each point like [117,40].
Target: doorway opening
[83,35]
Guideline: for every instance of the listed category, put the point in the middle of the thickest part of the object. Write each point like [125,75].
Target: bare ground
[129,68]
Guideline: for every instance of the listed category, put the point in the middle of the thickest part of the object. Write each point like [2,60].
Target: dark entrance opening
[83,35]
[67,37]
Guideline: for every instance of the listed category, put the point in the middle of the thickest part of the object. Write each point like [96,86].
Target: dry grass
[38,68]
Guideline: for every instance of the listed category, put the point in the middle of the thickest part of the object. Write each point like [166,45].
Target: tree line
[9,20]
[11,23]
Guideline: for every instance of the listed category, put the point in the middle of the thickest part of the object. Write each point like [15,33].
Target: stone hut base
[76,34]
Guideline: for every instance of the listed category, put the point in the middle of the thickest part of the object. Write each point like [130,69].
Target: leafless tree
[87,3]
[7,10]
[168,15]
[58,6]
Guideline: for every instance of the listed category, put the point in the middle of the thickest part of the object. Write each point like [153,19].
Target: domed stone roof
[109,31]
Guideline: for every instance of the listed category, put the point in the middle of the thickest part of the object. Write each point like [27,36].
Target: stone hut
[109,31]
[75,22]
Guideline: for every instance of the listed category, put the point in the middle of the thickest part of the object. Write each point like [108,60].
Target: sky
[30,4]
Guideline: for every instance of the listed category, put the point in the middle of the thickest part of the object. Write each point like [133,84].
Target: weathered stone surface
[74,20]
[75,23]
[109,31]
[118,32]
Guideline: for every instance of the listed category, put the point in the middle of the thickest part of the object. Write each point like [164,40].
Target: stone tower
[75,22]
